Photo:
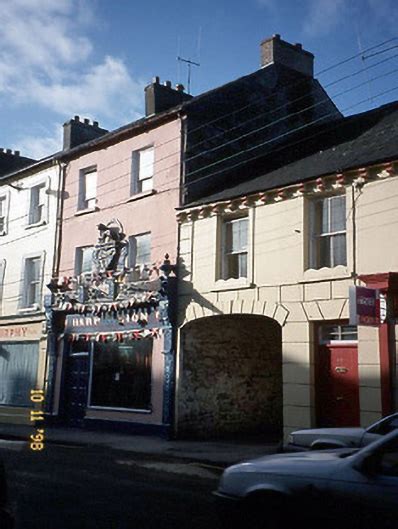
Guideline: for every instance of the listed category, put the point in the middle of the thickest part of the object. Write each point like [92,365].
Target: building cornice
[326,184]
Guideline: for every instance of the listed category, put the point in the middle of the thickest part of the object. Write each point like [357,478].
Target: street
[74,487]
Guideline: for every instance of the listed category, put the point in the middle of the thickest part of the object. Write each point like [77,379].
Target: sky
[93,58]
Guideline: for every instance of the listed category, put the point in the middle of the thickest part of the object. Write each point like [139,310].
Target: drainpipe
[52,341]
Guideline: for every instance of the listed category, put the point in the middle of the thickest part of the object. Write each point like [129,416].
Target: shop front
[22,359]
[113,360]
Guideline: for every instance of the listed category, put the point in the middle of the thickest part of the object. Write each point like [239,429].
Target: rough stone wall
[231,377]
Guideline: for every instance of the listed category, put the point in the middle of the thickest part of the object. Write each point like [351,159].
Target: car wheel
[265,511]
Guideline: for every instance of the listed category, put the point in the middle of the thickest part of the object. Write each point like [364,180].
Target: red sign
[364,306]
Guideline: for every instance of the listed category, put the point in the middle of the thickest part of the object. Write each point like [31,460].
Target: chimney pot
[17,153]
[167,83]
[9,151]
[299,45]
[180,87]
[77,118]
[1,149]
[95,123]
[155,80]
[276,36]
[86,121]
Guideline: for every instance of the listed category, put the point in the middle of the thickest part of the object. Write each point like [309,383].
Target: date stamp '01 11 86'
[37,439]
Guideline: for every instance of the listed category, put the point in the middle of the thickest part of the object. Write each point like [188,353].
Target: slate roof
[9,163]
[348,143]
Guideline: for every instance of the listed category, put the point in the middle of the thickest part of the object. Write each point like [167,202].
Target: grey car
[321,438]
[344,487]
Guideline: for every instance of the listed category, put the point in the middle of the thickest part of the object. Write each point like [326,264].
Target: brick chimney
[160,97]
[274,50]
[77,132]
[11,161]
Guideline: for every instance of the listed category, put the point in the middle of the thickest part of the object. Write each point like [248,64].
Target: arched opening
[230,377]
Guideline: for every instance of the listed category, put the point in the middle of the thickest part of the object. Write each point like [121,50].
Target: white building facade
[28,225]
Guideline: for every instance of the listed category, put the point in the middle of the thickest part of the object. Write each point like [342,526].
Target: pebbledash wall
[152,211]
[23,324]
[282,286]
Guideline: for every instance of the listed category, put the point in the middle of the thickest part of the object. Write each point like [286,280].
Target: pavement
[219,452]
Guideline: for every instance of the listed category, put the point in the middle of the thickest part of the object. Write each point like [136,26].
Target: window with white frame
[32,282]
[139,253]
[336,332]
[328,247]
[38,200]
[84,260]
[142,170]
[234,237]
[88,188]
[3,215]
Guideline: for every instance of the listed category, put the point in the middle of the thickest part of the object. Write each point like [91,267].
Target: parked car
[6,520]
[345,487]
[321,438]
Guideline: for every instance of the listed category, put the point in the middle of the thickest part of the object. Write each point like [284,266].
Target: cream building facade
[28,222]
[288,255]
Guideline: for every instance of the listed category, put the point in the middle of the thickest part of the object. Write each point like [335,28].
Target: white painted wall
[21,239]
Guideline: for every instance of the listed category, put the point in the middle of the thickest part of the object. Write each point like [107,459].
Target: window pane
[32,281]
[324,211]
[243,265]
[37,201]
[146,164]
[143,249]
[86,259]
[339,249]
[90,183]
[146,185]
[244,224]
[324,252]
[140,250]
[232,271]
[121,375]
[338,220]
[235,236]
[228,236]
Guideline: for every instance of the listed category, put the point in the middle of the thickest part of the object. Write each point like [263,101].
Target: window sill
[144,194]
[231,284]
[86,211]
[29,310]
[36,225]
[325,274]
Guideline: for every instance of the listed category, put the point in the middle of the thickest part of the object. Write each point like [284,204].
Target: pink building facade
[112,349]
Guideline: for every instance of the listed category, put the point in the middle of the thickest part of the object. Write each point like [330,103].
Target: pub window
[121,375]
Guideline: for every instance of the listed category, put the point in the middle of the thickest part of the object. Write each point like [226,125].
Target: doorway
[337,383]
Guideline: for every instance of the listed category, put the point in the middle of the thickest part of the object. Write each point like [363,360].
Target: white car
[321,438]
[344,488]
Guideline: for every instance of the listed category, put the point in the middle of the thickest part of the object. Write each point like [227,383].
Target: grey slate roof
[348,143]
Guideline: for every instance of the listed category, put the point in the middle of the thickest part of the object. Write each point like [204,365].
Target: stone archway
[230,380]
